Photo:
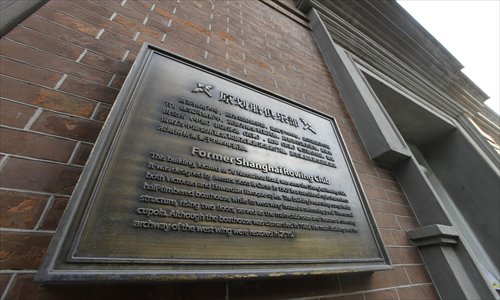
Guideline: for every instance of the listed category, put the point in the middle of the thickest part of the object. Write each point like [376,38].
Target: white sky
[470,30]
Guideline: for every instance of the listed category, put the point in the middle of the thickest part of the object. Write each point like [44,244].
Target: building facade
[423,144]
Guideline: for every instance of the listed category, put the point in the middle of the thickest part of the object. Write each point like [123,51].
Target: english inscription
[280,215]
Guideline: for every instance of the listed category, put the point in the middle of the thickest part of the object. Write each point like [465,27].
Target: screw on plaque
[203,88]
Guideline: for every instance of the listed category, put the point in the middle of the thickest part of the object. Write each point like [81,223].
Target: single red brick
[401,238]
[386,174]
[365,169]
[15,114]
[396,209]
[35,145]
[20,210]
[89,89]
[284,288]
[102,112]
[382,295]
[45,98]
[387,237]
[4,281]
[25,288]
[370,281]
[67,126]
[105,63]
[389,185]
[407,223]
[397,197]
[55,213]
[375,193]
[345,297]
[375,205]
[142,38]
[21,250]
[39,176]
[404,255]
[427,292]
[82,154]
[368,179]
[418,274]
[117,81]
[130,59]
[386,221]
[120,41]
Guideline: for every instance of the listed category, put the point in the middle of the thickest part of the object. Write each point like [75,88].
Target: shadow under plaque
[199,175]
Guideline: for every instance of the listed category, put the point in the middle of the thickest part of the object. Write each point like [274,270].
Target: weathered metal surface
[199,175]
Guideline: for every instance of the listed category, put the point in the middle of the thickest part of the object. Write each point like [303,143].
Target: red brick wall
[61,70]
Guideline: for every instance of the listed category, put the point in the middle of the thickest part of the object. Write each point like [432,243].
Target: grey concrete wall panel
[473,184]
[453,271]
[13,12]
[479,140]
[419,191]
[383,142]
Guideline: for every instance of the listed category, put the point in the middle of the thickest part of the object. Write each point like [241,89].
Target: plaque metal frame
[59,267]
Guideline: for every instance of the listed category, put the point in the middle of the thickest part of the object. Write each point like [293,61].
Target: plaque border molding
[58,268]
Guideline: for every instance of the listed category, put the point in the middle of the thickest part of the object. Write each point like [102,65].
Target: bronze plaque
[200,175]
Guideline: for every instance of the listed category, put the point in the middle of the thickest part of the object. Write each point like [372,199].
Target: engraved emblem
[307,126]
[203,88]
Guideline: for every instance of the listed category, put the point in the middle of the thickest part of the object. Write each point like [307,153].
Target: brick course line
[99,34]
[3,161]
[11,271]
[7,229]
[41,160]
[38,193]
[81,55]
[408,276]
[44,213]
[60,82]
[9,286]
[33,118]
[125,55]
[73,154]
[136,36]
[111,81]
[397,293]
[375,290]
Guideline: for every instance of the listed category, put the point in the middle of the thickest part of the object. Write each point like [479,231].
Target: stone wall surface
[61,70]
